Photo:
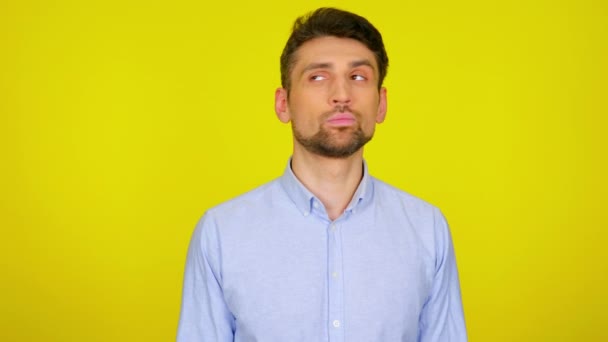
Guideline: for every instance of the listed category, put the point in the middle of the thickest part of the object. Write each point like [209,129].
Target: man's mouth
[341,119]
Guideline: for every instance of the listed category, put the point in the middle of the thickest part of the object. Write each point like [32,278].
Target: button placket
[336,285]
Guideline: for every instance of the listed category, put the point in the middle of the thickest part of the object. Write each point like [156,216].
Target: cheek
[306,110]
[366,95]
[369,111]
[302,120]
[368,126]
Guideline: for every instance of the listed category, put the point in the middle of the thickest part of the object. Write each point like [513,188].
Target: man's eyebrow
[362,62]
[313,66]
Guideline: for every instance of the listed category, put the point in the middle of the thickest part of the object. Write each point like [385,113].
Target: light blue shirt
[270,266]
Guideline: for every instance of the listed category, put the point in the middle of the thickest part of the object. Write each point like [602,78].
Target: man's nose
[340,92]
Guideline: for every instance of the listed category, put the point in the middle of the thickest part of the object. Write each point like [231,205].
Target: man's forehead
[326,52]
[331,44]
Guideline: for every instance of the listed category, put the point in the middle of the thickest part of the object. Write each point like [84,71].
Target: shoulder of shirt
[383,190]
[250,200]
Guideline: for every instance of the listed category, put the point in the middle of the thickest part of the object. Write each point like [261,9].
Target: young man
[326,252]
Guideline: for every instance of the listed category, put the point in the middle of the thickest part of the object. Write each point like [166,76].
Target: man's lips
[341,119]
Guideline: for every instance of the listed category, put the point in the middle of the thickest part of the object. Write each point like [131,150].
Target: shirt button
[334,274]
[315,204]
[332,227]
[336,324]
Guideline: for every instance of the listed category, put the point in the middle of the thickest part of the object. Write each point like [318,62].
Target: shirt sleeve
[204,315]
[442,317]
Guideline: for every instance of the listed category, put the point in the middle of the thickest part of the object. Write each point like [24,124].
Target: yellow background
[122,122]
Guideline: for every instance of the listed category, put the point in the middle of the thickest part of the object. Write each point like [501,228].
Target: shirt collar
[304,199]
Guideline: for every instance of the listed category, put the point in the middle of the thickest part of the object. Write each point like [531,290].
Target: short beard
[321,143]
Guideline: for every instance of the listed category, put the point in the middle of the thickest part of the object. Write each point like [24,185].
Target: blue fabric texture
[271,266]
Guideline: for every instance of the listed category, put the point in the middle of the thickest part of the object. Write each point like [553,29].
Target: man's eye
[358,77]
[317,77]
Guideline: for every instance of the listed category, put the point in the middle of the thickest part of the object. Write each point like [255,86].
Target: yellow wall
[121,122]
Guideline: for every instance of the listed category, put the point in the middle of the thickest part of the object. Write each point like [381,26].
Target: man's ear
[280,105]
[381,115]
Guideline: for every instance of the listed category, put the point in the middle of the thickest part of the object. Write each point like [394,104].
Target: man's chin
[337,142]
[337,150]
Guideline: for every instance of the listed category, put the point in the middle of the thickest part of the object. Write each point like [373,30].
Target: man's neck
[332,180]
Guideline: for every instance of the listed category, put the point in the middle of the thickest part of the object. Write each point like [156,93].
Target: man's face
[333,102]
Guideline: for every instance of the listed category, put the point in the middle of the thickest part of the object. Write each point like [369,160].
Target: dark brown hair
[337,23]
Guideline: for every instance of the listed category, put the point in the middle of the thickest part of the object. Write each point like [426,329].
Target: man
[326,252]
